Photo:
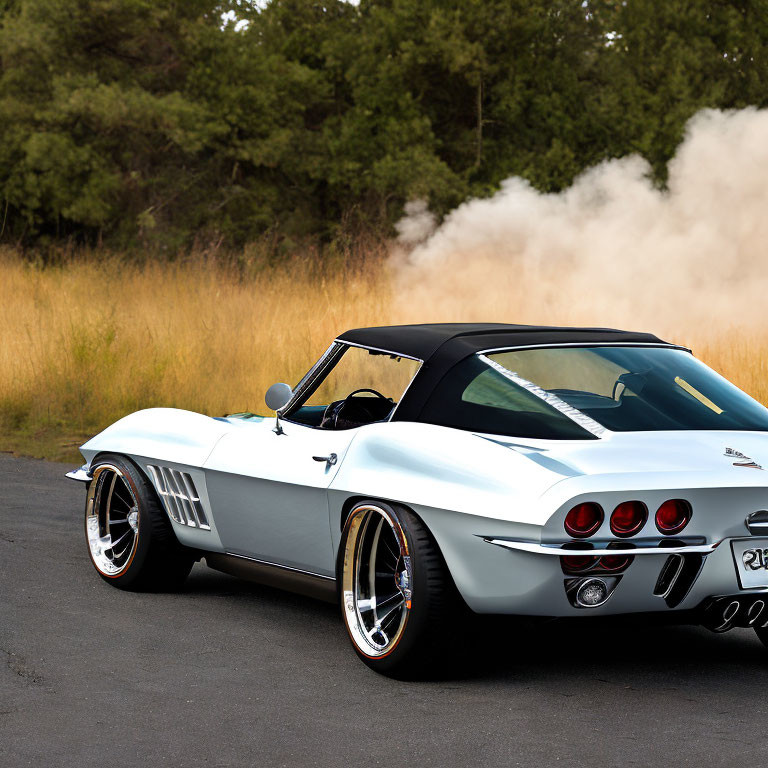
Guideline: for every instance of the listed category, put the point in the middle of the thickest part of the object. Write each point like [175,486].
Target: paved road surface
[232,674]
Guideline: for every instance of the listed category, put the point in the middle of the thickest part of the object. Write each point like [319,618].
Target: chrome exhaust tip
[591,593]
[725,613]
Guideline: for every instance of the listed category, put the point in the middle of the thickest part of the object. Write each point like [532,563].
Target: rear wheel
[130,539]
[397,597]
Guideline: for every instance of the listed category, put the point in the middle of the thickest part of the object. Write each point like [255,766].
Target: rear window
[476,397]
[632,389]
[571,393]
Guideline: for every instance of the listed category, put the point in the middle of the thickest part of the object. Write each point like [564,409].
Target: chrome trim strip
[327,358]
[274,575]
[82,474]
[585,345]
[584,421]
[378,349]
[278,565]
[560,550]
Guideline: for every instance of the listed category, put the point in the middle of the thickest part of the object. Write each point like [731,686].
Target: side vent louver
[179,496]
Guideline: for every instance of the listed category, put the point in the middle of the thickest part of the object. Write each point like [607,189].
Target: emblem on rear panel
[740,460]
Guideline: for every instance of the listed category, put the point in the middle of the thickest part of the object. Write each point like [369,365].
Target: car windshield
[579,392]
[628,389]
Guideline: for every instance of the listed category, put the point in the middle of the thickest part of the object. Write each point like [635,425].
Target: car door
[269,487]
[268,493]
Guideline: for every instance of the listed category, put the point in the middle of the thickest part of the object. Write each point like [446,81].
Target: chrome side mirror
[278,396]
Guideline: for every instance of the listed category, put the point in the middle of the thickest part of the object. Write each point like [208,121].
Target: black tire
[153,559]
[427,637]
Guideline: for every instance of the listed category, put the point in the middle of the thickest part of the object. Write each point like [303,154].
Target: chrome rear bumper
[640,547]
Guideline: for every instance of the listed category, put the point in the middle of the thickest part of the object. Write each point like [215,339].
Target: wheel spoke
[109,499]
[395,556]
[365,605]
[399,604]
[382,603]
[119,505]
[372,565]
[121,491]
[115,543]
[127,547]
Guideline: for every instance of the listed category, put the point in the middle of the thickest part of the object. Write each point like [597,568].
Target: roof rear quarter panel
[441,467]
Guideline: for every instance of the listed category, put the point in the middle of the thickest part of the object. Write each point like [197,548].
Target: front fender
[171,434]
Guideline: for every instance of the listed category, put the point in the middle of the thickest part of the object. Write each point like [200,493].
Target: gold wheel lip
[360,518]
[91,512]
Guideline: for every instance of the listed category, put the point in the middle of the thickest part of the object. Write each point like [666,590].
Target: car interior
[362,406]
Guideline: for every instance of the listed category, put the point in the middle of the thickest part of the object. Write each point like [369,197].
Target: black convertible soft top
[443,345]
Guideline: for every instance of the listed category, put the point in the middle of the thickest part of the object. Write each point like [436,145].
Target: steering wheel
[335,410]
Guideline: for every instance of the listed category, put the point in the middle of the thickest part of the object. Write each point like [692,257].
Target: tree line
[163,123]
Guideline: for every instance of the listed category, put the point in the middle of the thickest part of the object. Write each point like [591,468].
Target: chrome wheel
[377,580]
[111,520]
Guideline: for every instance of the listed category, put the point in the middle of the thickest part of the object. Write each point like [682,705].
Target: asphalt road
[232,674]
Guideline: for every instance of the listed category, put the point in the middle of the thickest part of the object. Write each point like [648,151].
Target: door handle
[330,460]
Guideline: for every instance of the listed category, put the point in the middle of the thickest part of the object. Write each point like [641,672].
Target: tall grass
[91,339]
[87,341]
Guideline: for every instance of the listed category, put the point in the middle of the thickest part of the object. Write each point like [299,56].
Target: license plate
[751,559]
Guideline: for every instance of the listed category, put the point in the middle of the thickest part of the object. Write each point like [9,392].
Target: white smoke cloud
[613,249]
[417,224]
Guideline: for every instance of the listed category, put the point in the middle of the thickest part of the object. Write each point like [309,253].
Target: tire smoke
[687,262]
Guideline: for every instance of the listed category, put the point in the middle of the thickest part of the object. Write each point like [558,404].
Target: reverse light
[673,515]
[584,520]
[628,518]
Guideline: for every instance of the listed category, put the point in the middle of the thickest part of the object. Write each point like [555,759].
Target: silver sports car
[419,470]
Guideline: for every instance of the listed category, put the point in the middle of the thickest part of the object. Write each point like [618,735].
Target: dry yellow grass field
[92,339]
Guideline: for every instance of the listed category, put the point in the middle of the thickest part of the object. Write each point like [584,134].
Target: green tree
[161,123]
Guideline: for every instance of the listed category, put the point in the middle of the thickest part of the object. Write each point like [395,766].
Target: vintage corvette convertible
[416,471]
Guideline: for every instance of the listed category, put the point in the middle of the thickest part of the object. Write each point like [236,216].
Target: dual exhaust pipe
[725,613]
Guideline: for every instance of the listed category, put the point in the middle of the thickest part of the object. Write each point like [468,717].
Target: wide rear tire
[398,600]
[129,536]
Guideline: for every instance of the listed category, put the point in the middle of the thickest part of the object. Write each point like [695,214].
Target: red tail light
[578,563]
[584,520]
[673,515]
[615,562]
[628,518]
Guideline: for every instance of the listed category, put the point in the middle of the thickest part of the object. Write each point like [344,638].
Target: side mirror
[278,396]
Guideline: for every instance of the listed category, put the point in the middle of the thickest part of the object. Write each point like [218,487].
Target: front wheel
[397,597]
[130,539]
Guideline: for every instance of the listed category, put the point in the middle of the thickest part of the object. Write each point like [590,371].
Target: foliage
[159,123]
